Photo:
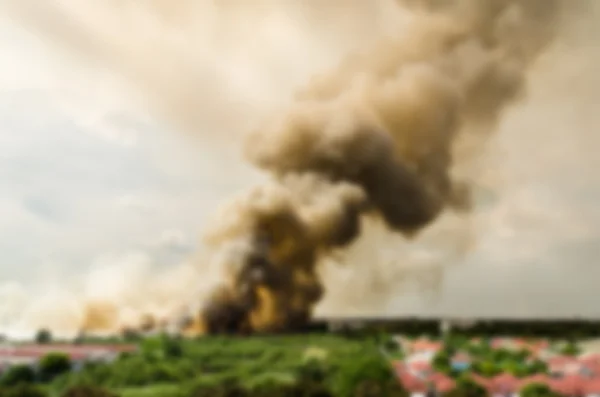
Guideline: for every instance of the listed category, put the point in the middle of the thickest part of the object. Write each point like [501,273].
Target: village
[567,373]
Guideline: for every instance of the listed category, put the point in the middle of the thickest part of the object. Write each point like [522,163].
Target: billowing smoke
[392,135]
[377,137]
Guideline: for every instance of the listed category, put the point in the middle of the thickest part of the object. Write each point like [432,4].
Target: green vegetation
[17,375]
[569,349]
[467,387]
[537,390]
[261,366]
[486,361]
[53,365]
[43,336]
[23,390]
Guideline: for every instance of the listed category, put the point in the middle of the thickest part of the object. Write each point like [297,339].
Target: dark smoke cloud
[384,126]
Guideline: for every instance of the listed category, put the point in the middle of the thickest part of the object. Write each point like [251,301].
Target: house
[563,365]
[461,361]
[503,384]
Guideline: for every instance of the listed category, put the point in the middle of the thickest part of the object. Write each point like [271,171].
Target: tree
[486,368]
[43,336]
[478,349]
[172,348]
[537,390]
[18,374]
[454,343]
[369,375]
[517,369]
[442,362]
[537,367]
[54,364]
[570,349]
[391,345]
[162,346]
[521,355]
[467,387]
[500,355]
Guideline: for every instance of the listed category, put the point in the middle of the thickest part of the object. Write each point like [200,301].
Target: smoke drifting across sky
[398,133]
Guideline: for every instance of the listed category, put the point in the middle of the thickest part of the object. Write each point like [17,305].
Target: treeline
[563,329]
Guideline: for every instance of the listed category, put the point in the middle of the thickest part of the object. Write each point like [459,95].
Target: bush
[312,371]
[87,391]
[23,390]
[18,374]
[53,365]
[369,375]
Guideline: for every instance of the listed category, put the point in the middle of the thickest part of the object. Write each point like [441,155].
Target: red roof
[410,382]
[86,348]
[561,363]
[443,383]
[590,361]
[422,344]
[33,354]
[75,352]
[420,366]
[592,386]
[568,385]
[537,378]
[483,382]
[504,382]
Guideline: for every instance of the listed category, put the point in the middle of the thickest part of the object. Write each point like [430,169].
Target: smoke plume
[390,135]
[377,137]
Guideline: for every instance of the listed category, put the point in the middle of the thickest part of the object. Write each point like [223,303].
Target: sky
[92,177]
